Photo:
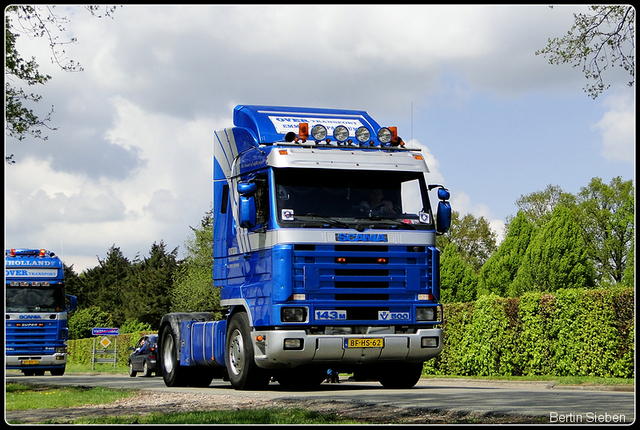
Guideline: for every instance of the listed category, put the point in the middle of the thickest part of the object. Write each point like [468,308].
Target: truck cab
[324,251]
[36,312]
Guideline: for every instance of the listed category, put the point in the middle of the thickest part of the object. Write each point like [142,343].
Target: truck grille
[362,274]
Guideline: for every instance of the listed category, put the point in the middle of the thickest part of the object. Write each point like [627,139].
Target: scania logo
[361,237]
[30,317]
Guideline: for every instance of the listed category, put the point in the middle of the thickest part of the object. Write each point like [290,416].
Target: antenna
[411,121]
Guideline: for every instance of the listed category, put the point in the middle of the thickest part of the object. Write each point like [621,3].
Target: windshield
[35,299]
[346,198]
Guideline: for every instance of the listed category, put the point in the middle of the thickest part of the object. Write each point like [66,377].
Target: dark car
[143,357]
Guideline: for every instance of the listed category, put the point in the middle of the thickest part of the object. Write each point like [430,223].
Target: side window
[262,199]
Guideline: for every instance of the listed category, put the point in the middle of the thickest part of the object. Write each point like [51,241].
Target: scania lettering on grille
[361,237]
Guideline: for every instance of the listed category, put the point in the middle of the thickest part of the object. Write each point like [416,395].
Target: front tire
[132,372]
[404,375]
[244,374]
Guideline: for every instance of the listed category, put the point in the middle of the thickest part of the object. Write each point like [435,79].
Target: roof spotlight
[384,135]
[363,134]
[341,133]
[319,132]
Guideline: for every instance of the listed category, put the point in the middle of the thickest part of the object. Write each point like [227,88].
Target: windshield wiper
[332,221]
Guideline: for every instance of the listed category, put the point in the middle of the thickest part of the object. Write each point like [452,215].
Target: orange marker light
[303,130]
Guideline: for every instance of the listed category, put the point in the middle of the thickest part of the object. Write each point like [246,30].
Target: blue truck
[36,312]
[324,255]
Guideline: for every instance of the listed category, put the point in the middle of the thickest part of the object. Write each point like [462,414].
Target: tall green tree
[555,259]
[473,237]
[106,284]
[501,268]
[193,284]
[458,279]
[606,214]
[603,38]
[149,285]
[539,205]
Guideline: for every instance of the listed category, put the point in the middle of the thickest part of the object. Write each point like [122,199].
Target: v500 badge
[393,316]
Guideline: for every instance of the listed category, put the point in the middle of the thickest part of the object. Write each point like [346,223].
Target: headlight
[363,134]
[319,132]
[341,133]
[426,314]
[384,135]
[293,314]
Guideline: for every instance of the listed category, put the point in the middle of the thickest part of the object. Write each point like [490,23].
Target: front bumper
[270,351]
[21,362]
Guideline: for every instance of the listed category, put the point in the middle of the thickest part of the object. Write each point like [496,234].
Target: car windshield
[35,299]
[343,198]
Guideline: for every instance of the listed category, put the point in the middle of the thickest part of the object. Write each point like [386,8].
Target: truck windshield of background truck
[348,198]
[35,298]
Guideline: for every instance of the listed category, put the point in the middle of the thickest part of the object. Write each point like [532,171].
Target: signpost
[105,342]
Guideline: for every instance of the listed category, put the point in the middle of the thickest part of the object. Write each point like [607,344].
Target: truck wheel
[58,372]
[243,372]
[173,374]
[400,375]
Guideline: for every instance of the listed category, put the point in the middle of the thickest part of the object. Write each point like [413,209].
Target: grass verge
[27,396]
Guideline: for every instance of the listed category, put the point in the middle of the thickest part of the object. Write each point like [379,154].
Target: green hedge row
[571,332]
[80,350]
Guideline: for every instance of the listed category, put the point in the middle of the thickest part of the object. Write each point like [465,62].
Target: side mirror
[73,303]
[247,204]
[443,218]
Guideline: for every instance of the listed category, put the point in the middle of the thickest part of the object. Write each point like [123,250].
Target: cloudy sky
[131,161]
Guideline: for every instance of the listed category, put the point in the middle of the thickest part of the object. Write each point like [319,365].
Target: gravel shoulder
[148,402]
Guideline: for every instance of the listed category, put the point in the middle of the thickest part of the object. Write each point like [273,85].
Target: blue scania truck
[36,312]
[324,255]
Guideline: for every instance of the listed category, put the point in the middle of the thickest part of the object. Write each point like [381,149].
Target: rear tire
[244,374]
[173,374]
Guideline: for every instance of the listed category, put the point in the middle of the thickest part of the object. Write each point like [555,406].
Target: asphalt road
[558,404]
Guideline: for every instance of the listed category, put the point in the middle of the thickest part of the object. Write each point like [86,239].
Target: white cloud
[618,127]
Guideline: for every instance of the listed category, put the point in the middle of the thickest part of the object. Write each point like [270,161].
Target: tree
[458,280]
[595,42]
[538,206]
[502,267]
[473,237]
[105,285]
[149,285]
[34,22]
[606,216]
[193,284]
[83,320]
[556,258]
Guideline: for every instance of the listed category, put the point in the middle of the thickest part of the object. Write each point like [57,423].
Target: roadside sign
[105,342]
[98,331]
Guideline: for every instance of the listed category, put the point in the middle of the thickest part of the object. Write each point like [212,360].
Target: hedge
[572,332]
[80,349]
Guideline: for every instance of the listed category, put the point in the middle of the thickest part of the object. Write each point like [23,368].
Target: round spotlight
[319,132]
[384,135]
[363,134]
[341,133]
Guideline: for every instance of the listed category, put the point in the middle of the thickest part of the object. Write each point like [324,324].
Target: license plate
[364,343]
[30,361]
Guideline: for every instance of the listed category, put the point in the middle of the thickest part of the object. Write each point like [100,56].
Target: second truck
[324,253]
